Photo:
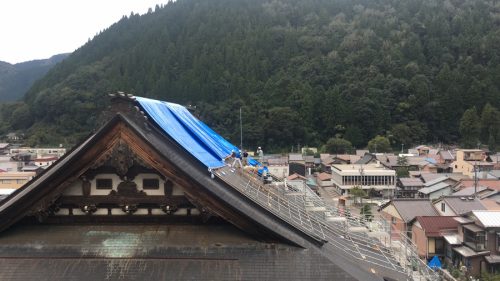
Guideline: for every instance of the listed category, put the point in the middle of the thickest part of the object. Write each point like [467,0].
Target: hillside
[16,79]
[303,71]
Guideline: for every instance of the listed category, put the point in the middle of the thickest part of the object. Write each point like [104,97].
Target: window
[475,240]
[443,207]
[150,184]
[393,220]
[498,241]
[104,184]
[439,244]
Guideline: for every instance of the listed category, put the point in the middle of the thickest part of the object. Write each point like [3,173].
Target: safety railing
[313,217]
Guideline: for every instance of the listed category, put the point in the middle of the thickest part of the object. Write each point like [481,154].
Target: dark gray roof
[367,158]
[154,252]
[295,157]
[495,173]
[462,205]
[411,182]
[409,209]
[434,188]
[309,159]
[447,155]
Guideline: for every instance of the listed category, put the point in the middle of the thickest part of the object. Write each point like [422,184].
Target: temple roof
[220,191]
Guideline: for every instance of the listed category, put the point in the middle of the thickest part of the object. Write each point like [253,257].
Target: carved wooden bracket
[121,157]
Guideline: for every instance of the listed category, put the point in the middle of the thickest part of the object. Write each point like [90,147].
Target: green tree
[490,126]
[357,192]
[470,128]
[355,135]
[402,134]
[366,212]
[379,144]
[337,146]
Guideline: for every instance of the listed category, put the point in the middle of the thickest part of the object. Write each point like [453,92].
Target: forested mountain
[302,71]
[16,79]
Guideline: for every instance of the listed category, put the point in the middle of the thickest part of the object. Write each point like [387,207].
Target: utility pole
[241,132]
[475,179]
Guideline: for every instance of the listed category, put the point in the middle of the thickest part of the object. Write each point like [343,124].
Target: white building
[38,151]
[369,176]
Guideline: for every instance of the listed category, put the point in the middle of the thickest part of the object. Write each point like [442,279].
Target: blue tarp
[435,263]
[206,146]
[252,161]
[217,144]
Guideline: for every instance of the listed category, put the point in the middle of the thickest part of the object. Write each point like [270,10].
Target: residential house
[494,174]
[401,213]
[297,181]
[7,164]
[371,177]
[457,205]
[428,235]
[495,160]
[479,191]
[4,148]
[467,159]
[33,168]
[13,136]
[446,156]
[429,177]
[367,158]
[45,160]
[444,159]
[412,163]
[408,187]
[310,163]
[438,187]
[480,251]
[423,150]
[278,166]
[14,180]
[324,179]
[297,164]
[493,184]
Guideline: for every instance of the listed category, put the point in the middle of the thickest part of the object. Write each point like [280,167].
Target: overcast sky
[39,29]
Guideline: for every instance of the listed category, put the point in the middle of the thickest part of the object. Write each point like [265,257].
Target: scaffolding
[358,239]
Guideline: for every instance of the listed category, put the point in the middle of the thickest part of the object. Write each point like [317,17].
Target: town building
[14,180]
[38,151]
[369,177]
[467,159]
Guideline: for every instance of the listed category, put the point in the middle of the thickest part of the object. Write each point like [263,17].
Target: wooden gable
[103,180]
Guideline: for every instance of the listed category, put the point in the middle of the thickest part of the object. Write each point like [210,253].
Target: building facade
[370,176]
